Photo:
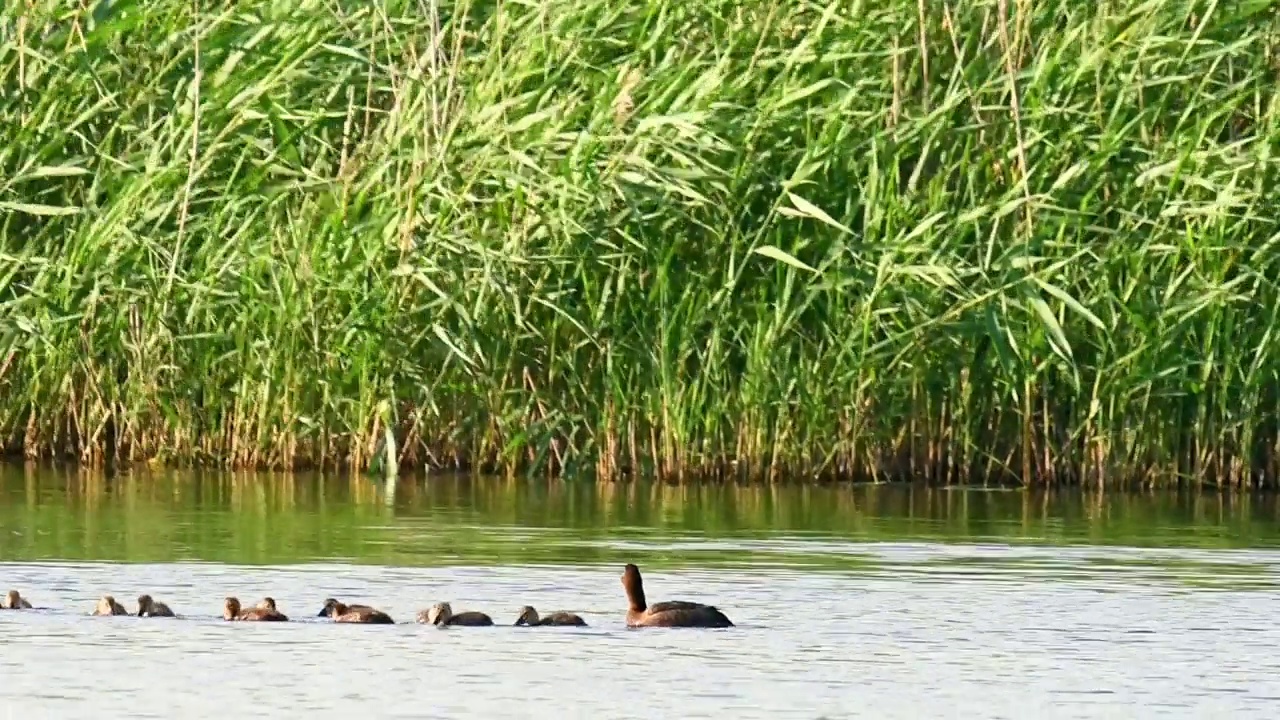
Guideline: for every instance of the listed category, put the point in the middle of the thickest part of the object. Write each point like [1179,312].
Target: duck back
[562,618]
[367,616]
[679,614]
[262,614]
[473,618]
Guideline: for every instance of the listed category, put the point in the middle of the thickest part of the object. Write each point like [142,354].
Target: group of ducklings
[147,607]
[676,613]
[441,614]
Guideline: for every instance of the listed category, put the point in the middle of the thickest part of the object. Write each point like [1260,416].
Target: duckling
[150,608]
[107,605]
[13,600]
[442,614]
[269,603]
[330,602]
[529,617]
[355,613]
[674,613]
[265,611]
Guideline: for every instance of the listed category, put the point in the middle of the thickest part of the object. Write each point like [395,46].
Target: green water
[442,520]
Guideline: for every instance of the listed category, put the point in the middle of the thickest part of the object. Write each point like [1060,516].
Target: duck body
[330,602]
[148,607]
[678,613]
[264,611]
[107,605]
[13,600]
[530,618]
[473,618]
[673,613]
[442,614]
[355,614]
[261,614]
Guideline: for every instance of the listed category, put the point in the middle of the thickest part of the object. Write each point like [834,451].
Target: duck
[150,608]
[442,614]
[13,600]
[529,617]
[269,603]
[107,605]
[673,613]
[330,602]
[355,613]
[264,611]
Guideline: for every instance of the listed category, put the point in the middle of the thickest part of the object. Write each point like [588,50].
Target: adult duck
[355,614]
[529,617]
[673,613]
[442,614]
[13,600]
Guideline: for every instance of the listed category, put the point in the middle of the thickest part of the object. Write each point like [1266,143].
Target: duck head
[528,616]
[440,613]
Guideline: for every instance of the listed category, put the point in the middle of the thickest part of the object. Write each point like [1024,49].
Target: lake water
[866,602]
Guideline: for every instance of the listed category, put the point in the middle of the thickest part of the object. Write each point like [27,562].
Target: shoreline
[413,474]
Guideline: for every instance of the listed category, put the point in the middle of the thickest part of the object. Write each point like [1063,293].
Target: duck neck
[635,596]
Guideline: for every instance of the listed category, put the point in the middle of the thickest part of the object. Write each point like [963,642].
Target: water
[874,602]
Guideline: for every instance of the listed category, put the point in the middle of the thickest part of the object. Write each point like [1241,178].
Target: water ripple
[808,644]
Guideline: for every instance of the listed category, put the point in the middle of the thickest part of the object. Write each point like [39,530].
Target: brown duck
[330,602]
[269,603]
[264,611]
[150,608]
[354,613]
[442,614]
[13,600]
[529,617]
[107,605]
[673,613]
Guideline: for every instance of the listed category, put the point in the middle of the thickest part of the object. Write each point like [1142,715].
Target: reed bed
[962,241]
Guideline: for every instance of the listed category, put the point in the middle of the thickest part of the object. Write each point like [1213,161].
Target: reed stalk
[957,241]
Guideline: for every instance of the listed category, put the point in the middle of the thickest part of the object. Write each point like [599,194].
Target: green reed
[949,240]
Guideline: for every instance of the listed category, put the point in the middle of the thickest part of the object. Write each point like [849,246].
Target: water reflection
[264,518]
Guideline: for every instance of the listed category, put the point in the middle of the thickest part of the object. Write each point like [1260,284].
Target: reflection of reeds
[156,515]
[257,517]
[947,260]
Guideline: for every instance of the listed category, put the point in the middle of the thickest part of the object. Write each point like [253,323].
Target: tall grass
[950,240]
